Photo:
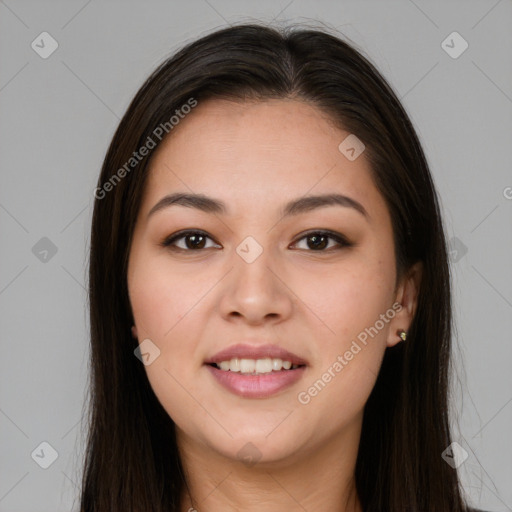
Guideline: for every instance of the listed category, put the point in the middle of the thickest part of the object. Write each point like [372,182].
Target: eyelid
[340,239]
[171,239]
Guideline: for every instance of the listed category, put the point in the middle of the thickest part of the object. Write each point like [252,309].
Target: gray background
[57,118]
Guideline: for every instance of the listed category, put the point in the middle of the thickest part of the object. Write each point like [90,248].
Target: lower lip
[257,386]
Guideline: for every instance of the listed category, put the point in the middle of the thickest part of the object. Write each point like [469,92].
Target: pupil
[318,241]
[194,239]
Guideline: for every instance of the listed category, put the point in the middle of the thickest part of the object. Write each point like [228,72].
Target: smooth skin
[191,303]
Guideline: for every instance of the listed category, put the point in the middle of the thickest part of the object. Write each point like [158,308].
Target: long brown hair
[132,462]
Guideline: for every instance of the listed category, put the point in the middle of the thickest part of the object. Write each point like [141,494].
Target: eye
[319,241]
[193,241]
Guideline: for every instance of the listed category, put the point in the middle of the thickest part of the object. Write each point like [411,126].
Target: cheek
[356,307]
[162,302]
[349,300]
[160,297]
[168,304]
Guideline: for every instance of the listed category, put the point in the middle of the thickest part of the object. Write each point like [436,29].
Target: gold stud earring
[402,335]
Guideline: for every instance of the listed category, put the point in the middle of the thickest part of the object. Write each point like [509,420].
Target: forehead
[257,151]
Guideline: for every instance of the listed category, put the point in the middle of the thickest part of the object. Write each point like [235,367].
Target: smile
[253,379]
[255,366]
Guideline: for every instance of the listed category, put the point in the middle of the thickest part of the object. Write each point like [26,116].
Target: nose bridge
[253,262]
[255,289]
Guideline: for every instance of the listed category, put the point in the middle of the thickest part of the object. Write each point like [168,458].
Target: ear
[134,331]
[406,300]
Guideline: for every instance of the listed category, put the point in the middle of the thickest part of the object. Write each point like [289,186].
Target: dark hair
[132,460]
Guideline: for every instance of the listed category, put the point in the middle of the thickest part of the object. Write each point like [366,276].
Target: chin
[251,448]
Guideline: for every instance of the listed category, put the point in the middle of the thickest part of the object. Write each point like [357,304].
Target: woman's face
[261,273]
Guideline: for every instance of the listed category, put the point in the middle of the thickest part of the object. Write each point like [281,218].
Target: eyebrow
[294,207]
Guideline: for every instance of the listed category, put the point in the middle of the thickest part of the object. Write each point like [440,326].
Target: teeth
[263,365]
[266,365]
[276,364]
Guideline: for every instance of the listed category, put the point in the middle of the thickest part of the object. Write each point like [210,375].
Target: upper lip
[244,351]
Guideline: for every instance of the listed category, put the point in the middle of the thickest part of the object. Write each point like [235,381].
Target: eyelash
[337,237]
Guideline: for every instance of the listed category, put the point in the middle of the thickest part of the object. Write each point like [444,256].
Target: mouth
[255,366]
[256,371]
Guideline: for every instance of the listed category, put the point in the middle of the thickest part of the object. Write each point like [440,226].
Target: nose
[256,292]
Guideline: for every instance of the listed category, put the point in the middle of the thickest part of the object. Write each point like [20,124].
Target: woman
[269,290]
